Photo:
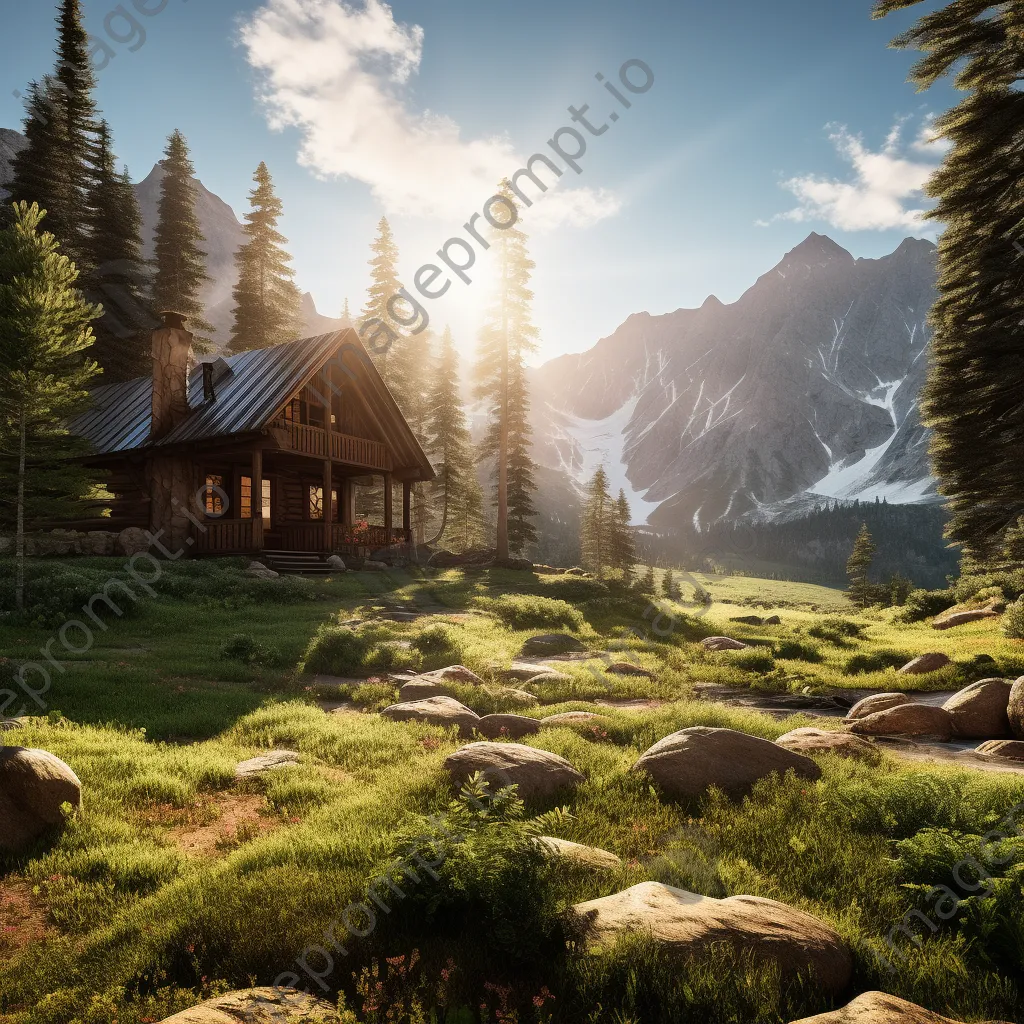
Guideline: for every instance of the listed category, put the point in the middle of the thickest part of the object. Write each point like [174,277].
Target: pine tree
[345,314]
[44,373]
[507,338]
[858,566]
[117,278]
[623,548]
[268,306]
[180,263]
[55,169]
[972,397]
[384,338]
[646,583]
[668,585]
[597,524]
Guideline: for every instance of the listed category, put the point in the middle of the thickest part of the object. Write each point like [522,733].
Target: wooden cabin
[255,452]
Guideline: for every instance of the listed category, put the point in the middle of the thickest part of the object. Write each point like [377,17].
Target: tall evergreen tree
[505,341]
[972,398]
[345,314]
[623,547]
[384,284]
[117,278]
[180,263]
[858,566]
[56,168]
[44,374]
[268,306]
[597,524]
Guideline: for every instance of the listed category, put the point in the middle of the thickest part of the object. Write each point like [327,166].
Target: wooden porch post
[327,509]
[389,502]
[407,508]
[256,501]
[348,502]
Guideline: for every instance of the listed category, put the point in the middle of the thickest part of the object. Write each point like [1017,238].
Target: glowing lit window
[266,501]
[214,495]
[245,497]
[316,502]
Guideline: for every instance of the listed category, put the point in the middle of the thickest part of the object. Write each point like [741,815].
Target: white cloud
[340,73]
[886,189]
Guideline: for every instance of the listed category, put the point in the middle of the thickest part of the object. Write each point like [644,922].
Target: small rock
[962,618]
[587,856]
[445,711]
[259,1006]
[748,620]
[876,702]
[1015,708]
[689,762]
[918,720]
[925,663]
[454,674]
[626,668]
[539,774]
[524,671]
[979,711]
[551,643]
[34,785]
[261,572]
[822,741]
[522,698]
[1011,749]
[337,563]
[880,1008]
[722,643]
[513,726]
[266,762]
[692,925]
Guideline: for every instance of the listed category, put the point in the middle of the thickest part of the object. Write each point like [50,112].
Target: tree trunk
[444,511]
[19,529]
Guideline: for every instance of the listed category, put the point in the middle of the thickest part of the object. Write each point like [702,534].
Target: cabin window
[245,497]
[316,502]
[213,494]
[266,500]
[293,411]
[334,506]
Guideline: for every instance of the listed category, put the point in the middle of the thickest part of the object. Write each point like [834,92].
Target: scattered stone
[266,762]
[454,674]
[521,697]
[421,689]
[524,671]
[918,720]
[773,620]
[693,925]
[979,711]
[258,1006]
[573,718]
[687,763]
[748,620]
[34,784]
[337,563]
[1010,749]
[371,565]
[513,726]
[587,856]
[822,741]
[261,571]
[925,663]
[551,643]
[539,774]
[1015,708]
[626,668]
[880,1008]
[722,643]
[876,702]
[962,618]
[441,710]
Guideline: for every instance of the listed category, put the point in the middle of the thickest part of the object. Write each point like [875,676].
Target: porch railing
[353,451]
[224,535]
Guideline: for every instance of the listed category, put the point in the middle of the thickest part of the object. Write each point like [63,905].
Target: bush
[797,650]
[876,661]
[754,661]
[440,645]
[1013,621]
[525,611]
[925,604]
[702,596]
[375,694]
[247,649]
[836,630]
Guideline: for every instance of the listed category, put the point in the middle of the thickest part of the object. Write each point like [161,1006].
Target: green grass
[156,714]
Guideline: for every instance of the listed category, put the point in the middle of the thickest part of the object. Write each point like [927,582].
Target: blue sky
[765,122]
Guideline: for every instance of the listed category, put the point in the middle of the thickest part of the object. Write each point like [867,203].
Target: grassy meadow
[179,881]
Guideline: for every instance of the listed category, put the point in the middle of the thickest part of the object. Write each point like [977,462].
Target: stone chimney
[172,359]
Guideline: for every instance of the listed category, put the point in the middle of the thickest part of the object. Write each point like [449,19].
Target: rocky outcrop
[1015,708]
[916,720]
[266,762]
[453,674]
[547,644]
[444,711]
[925,663]
[979,711]
[575,853]
[880,1008]
[1012,750]
[963,618]
[259,1006]
[688,763]
[876,702]
[510,726]
[692,925]
[722,643]
[538,774]
[34,786]
[821,741]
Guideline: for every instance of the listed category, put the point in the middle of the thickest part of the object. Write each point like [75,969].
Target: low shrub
[525,611]
[1013,621]
[247,649]
[375,694]
[798,650]
[1008,582]
[760,661]
[837,630]
[876,661]
[925,604]
[439,644]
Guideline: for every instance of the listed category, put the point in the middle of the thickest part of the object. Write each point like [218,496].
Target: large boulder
[925,663]
[133,541]
[421,689]
[539,774]
[689,762]
[880,1008]
[454,674]
[962,618]
[979,711]
[916,720]
[547,644]
[507,726]
[822,741]
[258,1006]
[34,785]
[1013,750]
[1015,708]
[876,702]
[722,643]
[692,925]
[445,711]
[576,853]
